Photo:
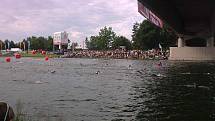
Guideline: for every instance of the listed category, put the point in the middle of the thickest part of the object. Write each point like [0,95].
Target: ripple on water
[71,89]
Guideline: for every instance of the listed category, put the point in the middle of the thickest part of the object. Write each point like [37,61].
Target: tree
[135,29]
[12,44]
[75,44]
[24,44]
[103,41]
[7,44]
[87,43]
[35,43]
[2,45]
[168,37]
[93,43]
[49,43]
[106,37]
[41,43]
[148,36]
[122,41]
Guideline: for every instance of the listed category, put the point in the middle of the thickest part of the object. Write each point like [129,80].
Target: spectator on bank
[120,54]
[6,112]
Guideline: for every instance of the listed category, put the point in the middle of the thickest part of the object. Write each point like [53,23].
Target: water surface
[108,89]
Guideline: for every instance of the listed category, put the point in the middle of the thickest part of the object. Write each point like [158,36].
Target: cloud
[22,18]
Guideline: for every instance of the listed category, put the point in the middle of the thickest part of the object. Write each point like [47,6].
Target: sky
[81,18]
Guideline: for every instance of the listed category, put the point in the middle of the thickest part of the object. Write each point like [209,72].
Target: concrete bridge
[190,19]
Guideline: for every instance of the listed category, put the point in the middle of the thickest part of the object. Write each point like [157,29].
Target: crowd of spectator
[120,54]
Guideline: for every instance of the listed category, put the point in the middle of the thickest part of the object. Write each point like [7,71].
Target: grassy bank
[25,54]
[39,55]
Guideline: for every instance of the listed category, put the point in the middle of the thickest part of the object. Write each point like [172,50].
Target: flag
[160,46]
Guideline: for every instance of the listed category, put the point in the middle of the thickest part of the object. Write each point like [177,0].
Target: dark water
[109,90]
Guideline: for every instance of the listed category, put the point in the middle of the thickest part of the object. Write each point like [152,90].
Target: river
[109,89]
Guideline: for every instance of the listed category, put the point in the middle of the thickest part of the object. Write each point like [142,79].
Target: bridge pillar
[193,53]
[181,42]
[210,42]
[60,46]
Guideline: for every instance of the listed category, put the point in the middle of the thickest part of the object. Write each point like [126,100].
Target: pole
[29,45]
[24,45]
[83,45]
[53,46]
[5,46]
[8,45]
[20,45]
[73,47]
[1,46]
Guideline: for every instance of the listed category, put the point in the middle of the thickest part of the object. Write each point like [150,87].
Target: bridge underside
[186,17]
[190,19]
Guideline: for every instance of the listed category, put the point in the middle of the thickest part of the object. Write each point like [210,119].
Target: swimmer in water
[129,67]
[97,72]
[160,64]
[53,71]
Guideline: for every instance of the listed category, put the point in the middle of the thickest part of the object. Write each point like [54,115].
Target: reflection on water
[105,90]
[185,94]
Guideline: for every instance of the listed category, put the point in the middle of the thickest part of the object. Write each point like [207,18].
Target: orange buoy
[17,56]
[7,59]
[33,52]
[46,58]
[43,52]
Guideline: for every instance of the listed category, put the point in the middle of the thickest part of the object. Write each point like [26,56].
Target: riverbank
[120,54]
[29,54]
[110,54]
[39,55]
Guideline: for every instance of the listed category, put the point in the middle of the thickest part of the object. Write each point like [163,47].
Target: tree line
[107,39]
[145,36]
[33,43]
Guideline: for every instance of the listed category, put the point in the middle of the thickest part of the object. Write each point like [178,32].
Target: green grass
[39,55]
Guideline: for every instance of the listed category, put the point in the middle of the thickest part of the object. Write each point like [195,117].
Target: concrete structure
[190,19]
[60,39]
[181,42]
[192,53]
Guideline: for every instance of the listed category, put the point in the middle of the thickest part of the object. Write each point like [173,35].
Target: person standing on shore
[6,112]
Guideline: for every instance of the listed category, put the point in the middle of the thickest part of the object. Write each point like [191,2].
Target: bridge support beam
[166,11]
[210,42]
[60,46]
[193,53]
[181,42]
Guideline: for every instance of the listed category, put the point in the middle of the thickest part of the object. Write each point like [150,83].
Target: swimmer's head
[6,112]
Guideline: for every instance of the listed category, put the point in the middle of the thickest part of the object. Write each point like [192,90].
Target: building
[16,50]
[61,39]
